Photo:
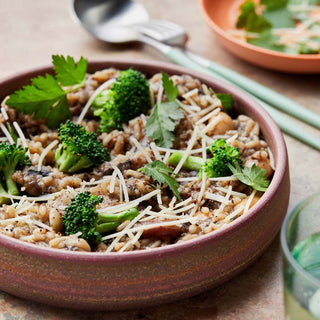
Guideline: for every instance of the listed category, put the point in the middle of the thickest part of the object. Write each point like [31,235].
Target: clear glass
[301,288]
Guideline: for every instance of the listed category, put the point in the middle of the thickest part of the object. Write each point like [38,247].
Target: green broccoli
[79,149]
[127,98]
[222,155]
[12,157]
[191,163]
[217,166]
[81,216]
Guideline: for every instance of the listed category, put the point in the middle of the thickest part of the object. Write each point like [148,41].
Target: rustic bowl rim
[273,131]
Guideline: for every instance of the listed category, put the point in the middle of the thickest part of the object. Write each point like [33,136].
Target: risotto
[206,204]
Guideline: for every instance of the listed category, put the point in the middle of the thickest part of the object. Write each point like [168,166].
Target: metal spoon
[122,21]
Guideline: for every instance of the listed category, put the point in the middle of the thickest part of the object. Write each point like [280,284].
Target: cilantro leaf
[159,172]
[254,177]
[274,4]
[161,123]
[278,14]
[37,98]
[68,73]
[267,40]
[44,98]
[250,20]
[169,88]
[226,101]
[59,113]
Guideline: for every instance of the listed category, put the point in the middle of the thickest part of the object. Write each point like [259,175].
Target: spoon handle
[266,94]
[283,122]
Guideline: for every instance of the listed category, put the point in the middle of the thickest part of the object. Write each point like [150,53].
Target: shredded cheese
[4,113]
[123,184]
[125,206]
[233,214]
[6,133]
[140,148]
[187,151]
[216,197]
[155,151]
[21,136]
[45,152]
[208,116]
[246,209]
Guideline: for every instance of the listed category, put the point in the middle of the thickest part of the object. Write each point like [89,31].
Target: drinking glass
[300,241]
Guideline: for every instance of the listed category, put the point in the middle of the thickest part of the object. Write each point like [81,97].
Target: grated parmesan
[45,152]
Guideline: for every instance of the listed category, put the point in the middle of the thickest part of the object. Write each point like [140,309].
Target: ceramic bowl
[114,281]
[222,16]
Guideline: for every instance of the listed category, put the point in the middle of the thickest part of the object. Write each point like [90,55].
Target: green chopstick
[264,93]
[282,121]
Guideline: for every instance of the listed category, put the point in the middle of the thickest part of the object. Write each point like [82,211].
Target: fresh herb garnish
[254,177]
[226,100]
[274,25]
[159,172]
[162,121]
[46,98]
[267,40]
[250,20]
[169,88]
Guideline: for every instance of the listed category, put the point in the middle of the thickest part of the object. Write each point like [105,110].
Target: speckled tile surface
[32,30]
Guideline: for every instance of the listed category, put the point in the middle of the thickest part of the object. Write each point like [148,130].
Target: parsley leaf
[44,98]
[254,177]
[277,13]
[268,40]
[162,121]
[158,171]
[170,89]
[68,72]
[250,20]
[274,4]
[226,101]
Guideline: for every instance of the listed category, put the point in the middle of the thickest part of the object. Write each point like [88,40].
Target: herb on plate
[289,26]
[254,177]
[162,121]
[46,97]
[159,172]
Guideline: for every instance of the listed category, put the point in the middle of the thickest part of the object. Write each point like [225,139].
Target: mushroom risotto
[118,161]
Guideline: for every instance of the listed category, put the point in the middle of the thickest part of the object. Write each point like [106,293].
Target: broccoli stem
[112,221]
[191,163]
[119,217]
[11,185]
[106,227]
[3,199]
[69,162]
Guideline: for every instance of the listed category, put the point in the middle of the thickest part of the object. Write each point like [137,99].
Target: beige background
[32,30]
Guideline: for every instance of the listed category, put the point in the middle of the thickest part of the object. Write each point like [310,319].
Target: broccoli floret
[79,149]
[217,166]
[81,216]
[127,98]
[12,158]
[222,155]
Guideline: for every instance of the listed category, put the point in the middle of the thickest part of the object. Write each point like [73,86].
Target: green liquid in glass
[303,299]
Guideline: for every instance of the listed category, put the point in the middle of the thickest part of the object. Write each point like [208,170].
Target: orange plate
[221,15]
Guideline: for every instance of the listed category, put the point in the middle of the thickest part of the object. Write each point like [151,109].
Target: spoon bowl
[108,20]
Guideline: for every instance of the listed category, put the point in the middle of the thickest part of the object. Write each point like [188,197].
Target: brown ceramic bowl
[143,278]
[222,16]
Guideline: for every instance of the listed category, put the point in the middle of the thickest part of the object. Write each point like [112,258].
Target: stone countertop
[31,31]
